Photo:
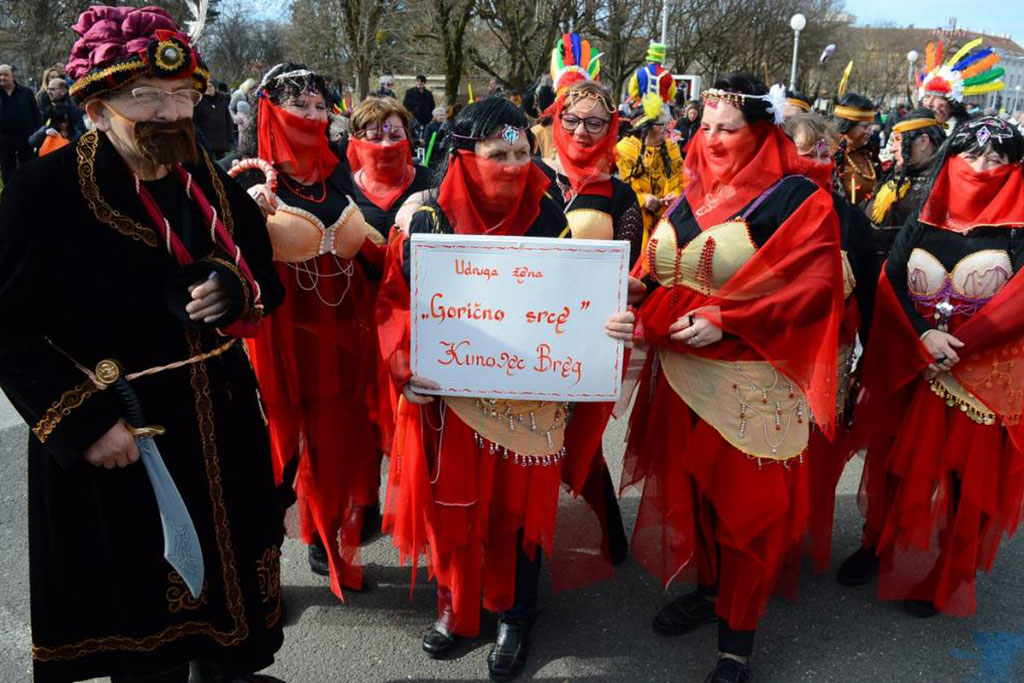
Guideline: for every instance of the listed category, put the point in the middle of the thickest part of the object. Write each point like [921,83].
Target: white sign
[517,317]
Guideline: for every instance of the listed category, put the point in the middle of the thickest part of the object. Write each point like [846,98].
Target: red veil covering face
[386,165]
[586,167]
[910,513]
[316,364]
[286,138]
[783,306]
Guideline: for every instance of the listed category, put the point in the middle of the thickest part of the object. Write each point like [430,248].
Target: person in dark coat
[59,114]
[19,118]
[148,266]
[420,103]
[213,118]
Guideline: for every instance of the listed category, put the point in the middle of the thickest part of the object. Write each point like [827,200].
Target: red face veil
[586,166]
[287,138]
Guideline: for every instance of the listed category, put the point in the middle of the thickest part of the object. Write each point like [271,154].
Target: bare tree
[449,20]
[239,46]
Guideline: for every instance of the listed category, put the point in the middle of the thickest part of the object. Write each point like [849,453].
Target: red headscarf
[963,199]
[287,138]
[385,165]
[586,167]
[714,200]
[473,182]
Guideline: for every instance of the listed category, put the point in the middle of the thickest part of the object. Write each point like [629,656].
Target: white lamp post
[1016,98]
[797,22]
[911,63]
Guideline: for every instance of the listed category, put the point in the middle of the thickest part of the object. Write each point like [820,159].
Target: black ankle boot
[922,609]
[684,614]
[859,568]
[729,670]
[318,563]
[508,656]
[371,524]
[439,642]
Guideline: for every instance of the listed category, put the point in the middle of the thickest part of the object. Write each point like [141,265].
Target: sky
[996,17]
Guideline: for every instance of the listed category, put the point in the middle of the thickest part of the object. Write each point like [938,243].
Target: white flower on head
[776,99]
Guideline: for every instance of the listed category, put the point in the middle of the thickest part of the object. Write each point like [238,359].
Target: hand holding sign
[524,318]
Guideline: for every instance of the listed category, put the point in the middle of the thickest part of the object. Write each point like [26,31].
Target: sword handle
[129,403]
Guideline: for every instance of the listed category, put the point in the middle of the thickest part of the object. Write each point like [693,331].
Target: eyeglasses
[593,124]
[385,132]
[155,97]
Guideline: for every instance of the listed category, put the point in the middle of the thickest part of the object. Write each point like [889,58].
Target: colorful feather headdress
[971,71]
[573,61]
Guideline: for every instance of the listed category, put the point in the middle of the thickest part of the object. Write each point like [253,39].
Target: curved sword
[181,542]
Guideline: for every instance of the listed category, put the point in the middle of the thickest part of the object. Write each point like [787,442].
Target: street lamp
[911,63]
[1016,99]
[797,22]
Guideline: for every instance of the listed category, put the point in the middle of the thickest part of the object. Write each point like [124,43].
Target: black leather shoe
[729,671]
[618,545]
[859,568]
[318,563]
[684,614]
[508,656]
[921,609]
[438,642]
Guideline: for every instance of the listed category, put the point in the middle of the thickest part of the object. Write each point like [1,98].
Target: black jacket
[19,113]
[213,118]
[419,104]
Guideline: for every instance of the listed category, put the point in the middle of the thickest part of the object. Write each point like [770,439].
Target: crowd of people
[235,267]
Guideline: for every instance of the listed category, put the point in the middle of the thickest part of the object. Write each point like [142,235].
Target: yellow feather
[844,83]
[984,88]
[930,62]
[963,51]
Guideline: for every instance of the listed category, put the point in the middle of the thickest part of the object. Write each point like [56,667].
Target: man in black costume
[148,268]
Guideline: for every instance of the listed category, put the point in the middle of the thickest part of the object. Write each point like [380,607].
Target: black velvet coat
[85,279]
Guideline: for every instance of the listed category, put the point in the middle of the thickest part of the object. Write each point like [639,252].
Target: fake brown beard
[166,142]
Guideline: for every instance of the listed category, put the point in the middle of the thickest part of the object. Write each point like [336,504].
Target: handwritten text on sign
[517,317]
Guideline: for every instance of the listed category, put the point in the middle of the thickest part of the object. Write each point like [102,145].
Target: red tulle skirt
[938,500]
[463,507]
[709,513]
[317,363]
[825,461]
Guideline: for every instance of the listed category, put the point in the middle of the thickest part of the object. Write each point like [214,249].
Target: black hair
[278,90]
[747,84]
[223,87]
[479,121]
[545,97]
[852,99]
[421,77]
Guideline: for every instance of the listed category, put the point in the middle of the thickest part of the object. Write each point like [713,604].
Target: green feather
[988,76]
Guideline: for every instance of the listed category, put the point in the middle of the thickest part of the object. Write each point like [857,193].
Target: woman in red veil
[468,488]
[742,318]
[316,358]
[943,382]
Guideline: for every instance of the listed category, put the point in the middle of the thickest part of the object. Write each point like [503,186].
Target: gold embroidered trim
[68,401]
[229,571]
[103,212]
[179,597]
[982,417]
[85,81]
[268,572]
[222,196]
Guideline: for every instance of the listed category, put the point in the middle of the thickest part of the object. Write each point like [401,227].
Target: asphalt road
[599,633]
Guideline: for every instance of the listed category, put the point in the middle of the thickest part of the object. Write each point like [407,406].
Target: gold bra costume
[766,418]
[976,278]
[298,235]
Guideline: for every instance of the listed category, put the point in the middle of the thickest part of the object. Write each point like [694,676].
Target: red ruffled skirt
[463,507]
[709,512]
[938,500]
[316,361]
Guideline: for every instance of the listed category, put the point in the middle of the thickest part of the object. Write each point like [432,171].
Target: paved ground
[600,633]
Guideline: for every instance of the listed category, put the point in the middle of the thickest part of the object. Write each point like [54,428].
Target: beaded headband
[776,99]
[984,131]
[508,133]
[574,96]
